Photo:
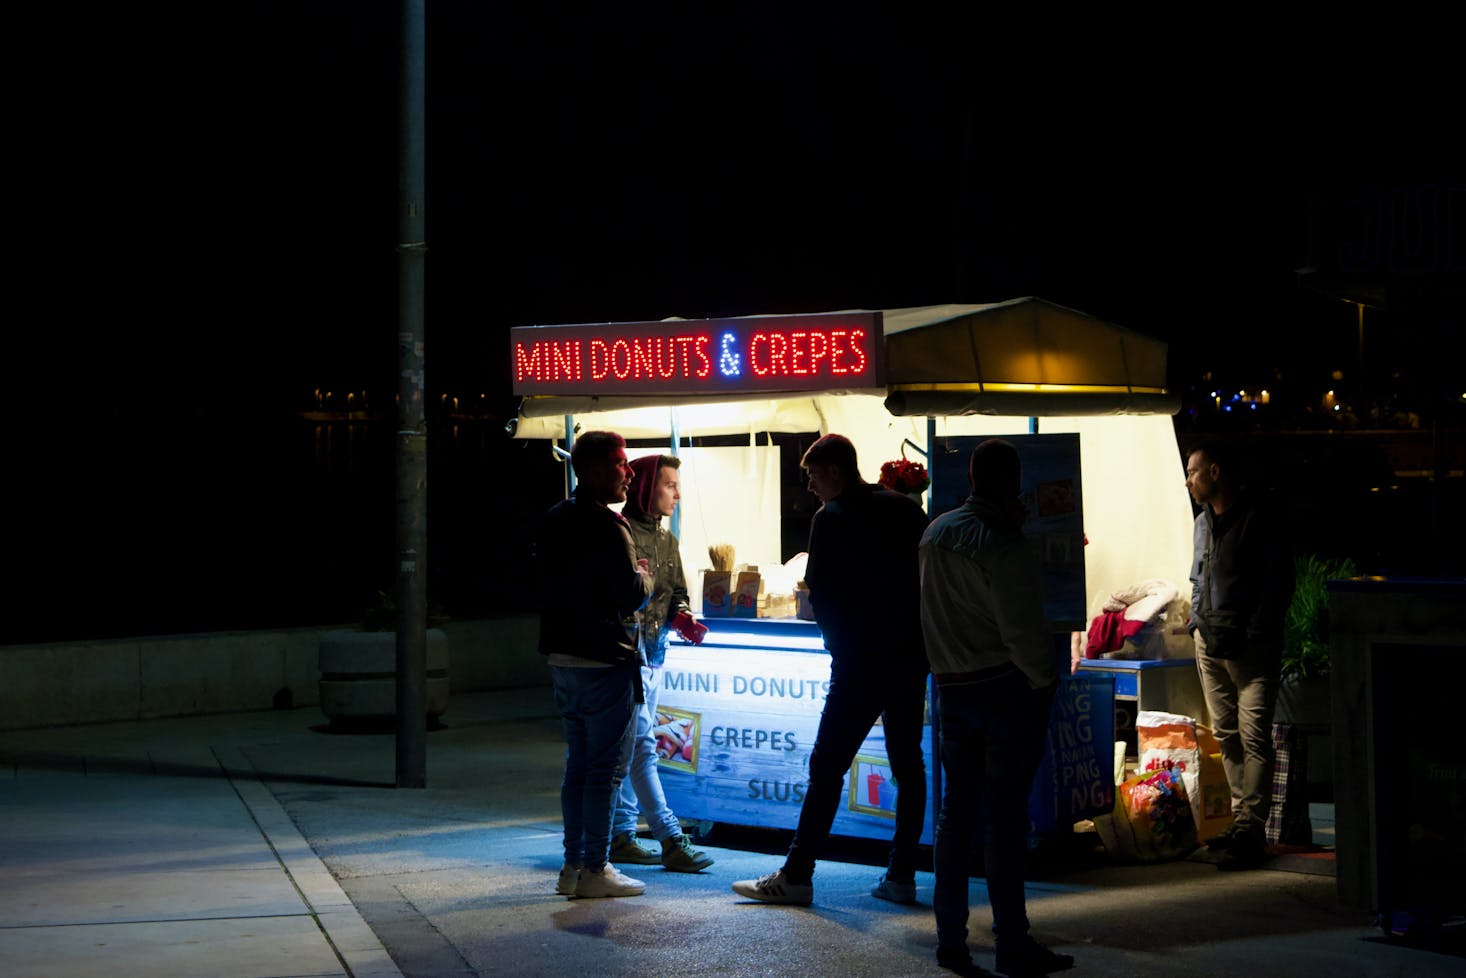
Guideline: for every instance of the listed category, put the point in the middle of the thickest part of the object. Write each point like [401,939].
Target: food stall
[739,712]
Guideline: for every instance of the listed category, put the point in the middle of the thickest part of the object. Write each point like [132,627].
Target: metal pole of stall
[932,696]
[676,521]
[412,455]
[569,446]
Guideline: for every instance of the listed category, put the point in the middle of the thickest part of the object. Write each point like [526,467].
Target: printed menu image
[872,792]
[676,734]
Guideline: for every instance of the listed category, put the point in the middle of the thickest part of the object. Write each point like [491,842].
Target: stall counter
[737,718]
[745,706]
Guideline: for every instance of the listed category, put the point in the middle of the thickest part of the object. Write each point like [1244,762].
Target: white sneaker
[609,882]
[565,886]
[776,888]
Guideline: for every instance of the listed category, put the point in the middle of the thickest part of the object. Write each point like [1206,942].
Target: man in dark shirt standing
[1241,585]
[590,583]
[864,585]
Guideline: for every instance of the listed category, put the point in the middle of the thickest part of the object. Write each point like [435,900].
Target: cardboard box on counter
[776,605]
[717,587]
[744,597]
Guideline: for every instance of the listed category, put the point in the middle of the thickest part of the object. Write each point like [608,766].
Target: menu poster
[1052,494]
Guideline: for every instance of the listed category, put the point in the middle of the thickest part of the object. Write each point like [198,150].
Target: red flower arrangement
[904,475]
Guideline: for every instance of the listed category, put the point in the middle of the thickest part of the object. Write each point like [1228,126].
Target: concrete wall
[65,683]
[496,653]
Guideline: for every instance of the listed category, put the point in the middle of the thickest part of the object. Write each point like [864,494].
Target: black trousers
[859,695]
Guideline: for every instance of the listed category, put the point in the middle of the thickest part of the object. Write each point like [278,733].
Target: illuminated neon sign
[830,351]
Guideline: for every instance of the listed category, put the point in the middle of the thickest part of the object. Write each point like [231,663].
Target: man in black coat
[865,588]
[590,583]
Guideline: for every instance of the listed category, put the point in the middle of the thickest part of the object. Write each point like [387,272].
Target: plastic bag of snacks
[1152,818]
[1167,742]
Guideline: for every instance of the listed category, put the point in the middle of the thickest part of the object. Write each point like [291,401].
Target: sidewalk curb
[341,924]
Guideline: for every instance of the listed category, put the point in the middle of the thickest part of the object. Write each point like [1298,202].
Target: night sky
[209,221]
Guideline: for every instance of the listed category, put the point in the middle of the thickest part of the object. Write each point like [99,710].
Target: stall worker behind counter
[590,582]
[1242,582]
[988,642]
[654,491]
[863,584]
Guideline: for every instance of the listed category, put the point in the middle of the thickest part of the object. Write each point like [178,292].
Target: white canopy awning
[1024,357]
[977,369]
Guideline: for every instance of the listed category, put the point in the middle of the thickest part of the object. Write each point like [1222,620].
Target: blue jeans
[993,737]
[859,695]
[597,710]
[645,783]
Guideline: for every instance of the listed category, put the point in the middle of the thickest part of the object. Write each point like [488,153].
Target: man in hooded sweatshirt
[654,491]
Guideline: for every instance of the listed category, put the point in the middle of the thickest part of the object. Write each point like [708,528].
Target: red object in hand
[689,628]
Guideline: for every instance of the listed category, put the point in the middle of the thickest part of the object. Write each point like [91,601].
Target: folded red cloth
[1108,632]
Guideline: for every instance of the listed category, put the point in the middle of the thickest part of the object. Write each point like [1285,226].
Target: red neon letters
[646,357]
[547,360]
[799,353]
[711,356]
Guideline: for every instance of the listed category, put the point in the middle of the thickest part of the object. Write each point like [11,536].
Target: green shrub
[1306,628]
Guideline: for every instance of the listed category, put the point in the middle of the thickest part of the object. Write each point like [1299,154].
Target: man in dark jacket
[1241,584]
[655,489]
[990,648]
[863,583]
[590,582]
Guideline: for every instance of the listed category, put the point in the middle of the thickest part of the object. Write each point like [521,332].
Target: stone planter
[359,674]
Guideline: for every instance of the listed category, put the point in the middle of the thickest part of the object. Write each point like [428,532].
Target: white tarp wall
[1137,513]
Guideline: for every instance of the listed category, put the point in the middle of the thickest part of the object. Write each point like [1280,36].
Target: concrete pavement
[263,845]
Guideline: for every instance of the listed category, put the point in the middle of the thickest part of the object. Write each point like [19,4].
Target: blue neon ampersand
[730,364]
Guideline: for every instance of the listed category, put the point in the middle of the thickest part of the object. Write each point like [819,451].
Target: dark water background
[290,521]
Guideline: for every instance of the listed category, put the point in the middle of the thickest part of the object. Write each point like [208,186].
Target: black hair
[836,450]
[995,470]
[593,447]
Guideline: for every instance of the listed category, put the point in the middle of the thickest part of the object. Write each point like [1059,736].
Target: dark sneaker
[679,856]
[776,888]
[888,889]
[1030,959]
[1247,850]
[1222,840]
[959,961]
[625,849]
